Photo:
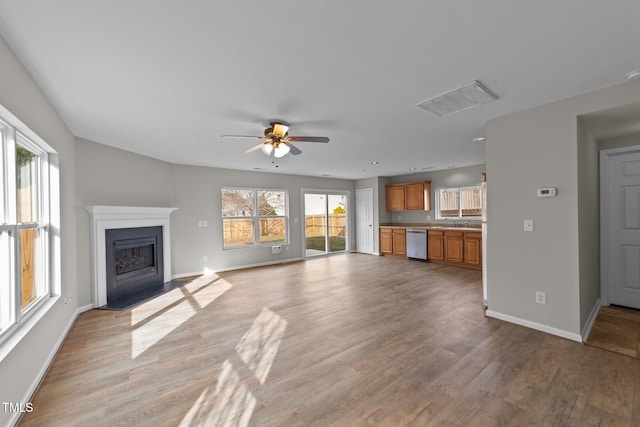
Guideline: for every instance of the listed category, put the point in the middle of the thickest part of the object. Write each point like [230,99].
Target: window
[24,223]
[460,202]
[253,217]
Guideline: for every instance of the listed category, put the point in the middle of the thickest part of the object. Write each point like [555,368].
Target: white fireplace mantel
[112,217]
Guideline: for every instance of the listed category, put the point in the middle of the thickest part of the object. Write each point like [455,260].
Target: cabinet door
[414,196]
[386,241]
[394,197]
[436,246]
[473,249]
[399,242]
[453,246]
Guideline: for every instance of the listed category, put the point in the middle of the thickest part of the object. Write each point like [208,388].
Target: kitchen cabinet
[394,196]
[393,241]
[454,247]
[473,249]
[408,197]
[436,245]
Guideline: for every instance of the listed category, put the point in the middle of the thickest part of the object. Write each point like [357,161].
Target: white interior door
[620,211]
[364,219]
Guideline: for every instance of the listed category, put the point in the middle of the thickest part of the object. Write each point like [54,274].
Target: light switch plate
[528,225]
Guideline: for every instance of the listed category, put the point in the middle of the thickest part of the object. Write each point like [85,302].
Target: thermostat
[546,192]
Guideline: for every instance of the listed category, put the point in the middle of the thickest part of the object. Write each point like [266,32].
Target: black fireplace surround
[134,261]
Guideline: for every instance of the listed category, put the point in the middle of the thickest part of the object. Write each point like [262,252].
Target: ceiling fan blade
[308,138]
[254,148]
[243,136]
[280,130]
[294,150]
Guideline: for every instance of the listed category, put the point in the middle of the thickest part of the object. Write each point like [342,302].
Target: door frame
[347,236]
[605,156]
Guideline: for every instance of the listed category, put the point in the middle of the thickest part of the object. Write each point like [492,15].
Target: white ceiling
[167,78]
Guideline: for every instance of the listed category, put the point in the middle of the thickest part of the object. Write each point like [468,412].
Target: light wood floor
[350,340]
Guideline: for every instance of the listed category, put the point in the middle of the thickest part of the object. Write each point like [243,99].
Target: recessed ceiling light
[451,167]
[479,139]
[412,169]
[375,162]
[459,99]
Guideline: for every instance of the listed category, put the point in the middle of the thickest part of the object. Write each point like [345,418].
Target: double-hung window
[24,226]
[460,202]
[254,217]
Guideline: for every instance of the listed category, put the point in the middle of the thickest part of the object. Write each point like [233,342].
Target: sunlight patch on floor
[232,402]
[157,318]
[259,345]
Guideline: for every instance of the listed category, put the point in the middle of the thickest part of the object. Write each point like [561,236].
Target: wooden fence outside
[241,230]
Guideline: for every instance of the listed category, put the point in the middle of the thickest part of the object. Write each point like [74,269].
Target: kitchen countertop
[432,226]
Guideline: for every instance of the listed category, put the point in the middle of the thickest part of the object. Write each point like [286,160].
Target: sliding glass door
[326,222]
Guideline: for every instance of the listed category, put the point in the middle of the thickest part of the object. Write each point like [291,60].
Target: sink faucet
[455,224]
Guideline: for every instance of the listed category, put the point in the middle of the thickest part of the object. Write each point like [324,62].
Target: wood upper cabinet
[435,245]
[473,249]
[417,196]
[454,246]
[393,241]
[408,197]
[394,196]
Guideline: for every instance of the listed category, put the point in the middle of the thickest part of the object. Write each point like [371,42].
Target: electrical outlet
[541,298]
[205,258]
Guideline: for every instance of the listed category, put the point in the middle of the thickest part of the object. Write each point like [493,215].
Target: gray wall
[24,362]
[537,148]
[113,177]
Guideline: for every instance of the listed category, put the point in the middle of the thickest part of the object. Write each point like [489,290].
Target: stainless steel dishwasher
[417,243]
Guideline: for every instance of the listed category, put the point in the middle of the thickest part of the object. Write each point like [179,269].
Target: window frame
[459,216]
[256,217]
[14,134]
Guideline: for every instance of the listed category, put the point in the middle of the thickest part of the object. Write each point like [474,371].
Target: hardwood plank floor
[352,340]
[617,329]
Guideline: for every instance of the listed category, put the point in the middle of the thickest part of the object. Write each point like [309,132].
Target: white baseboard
[45,367]
[533,325]
[586,330]
[236,267]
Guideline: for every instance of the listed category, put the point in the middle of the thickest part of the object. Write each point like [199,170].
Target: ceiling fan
[276,140]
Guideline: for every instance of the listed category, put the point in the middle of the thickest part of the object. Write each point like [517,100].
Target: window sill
[12,341]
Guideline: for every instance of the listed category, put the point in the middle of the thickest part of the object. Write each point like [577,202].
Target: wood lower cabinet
[393,241]
[454,247]
[435,245]
[463,248]
[473,249]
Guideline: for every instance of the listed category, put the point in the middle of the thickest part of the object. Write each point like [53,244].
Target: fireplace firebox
[134,260]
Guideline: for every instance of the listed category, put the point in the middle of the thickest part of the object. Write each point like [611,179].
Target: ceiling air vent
[460,99]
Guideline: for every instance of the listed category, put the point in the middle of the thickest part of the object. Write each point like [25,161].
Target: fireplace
[109,218]
[134,260]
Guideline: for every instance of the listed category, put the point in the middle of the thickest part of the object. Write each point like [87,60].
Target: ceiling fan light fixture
[281,150]
[267,149]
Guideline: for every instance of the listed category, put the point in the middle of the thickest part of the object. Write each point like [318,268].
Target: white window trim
[256,219]
[459,217]
[49,221]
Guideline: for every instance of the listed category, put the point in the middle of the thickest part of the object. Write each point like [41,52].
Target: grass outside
[336,243]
